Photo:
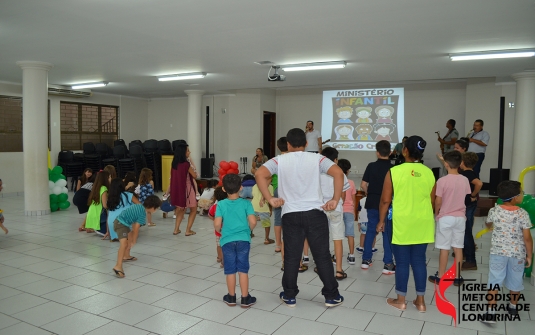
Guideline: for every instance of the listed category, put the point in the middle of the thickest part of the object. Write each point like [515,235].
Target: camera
[275,76]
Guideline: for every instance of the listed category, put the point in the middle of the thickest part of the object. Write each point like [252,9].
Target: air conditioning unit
[68,91]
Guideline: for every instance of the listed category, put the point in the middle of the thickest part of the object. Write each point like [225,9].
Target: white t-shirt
[327,189]
[299,179]
[312,140]
[363,214]
[208,193]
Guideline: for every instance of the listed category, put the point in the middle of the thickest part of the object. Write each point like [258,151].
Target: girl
[146,188]
[182,188]
[197,194]
[97,202]
[130,181]
[206,198]
[111,170]
[81,197]
[118,200]
[84,178]
[219,195]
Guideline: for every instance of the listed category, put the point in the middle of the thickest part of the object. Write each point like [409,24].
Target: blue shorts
[349,222]
[508,269]
[363,227]
[246,192]
[277,212]
[236,257]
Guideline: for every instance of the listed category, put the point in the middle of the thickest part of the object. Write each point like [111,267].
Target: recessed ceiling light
[183,76]
[313,66]
[90,85]
[493,54]
[264,62]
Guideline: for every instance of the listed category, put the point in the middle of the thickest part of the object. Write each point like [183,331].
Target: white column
[524,135]
[195,127]
[35,136]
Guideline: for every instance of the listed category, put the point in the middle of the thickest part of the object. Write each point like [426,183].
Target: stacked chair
[164,147]
[153,160]
[92,160]
[71,168]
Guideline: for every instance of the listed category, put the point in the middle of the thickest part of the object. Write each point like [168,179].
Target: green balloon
[55,177]
[57,170]
[53,198]
[54,207]
[64,204]
[61,176]
[62,197]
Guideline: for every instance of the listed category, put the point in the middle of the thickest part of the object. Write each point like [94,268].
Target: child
[469,161]
[130,181]
[277,220]
[81,198]
[146,189]
[363,226]
[111,170]
[1,214]
[372,184]
[97,202]
[336,220]
[84,178]
[118,201]
[127,228]
[300,193]
[206,198]
[511,245]
[239,218]
[349,211]
[451,190]
[197,195]
[263,212]
[219,195]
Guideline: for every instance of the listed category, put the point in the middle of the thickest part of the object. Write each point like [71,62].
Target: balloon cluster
[57,188]
[528,203]
[226,168]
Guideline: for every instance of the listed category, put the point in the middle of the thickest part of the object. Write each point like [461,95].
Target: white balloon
[61,183]
[65,190]
[57,190]
[51,184]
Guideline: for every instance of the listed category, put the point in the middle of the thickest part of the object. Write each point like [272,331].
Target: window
[81,123]
[11,124]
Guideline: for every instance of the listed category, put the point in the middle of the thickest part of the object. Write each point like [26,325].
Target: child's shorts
[508,269]
[349,222]
[246,192]
[204,204]
[277,212]
[450,232]
[363,227]
[336,224]
[264,219]
[217,238]
[121,230]
[236,257]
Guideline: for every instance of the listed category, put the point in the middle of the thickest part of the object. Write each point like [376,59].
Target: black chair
[177,142]
[164,147]
[153,161]
[150,146]
[89,148]
[135,142]
[120,142]
[107,157]
[119,153]
[71,168]
[102,150]
[133,163]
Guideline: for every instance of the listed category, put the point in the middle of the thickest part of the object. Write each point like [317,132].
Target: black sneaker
[247,301]
[434,279]
[489,318]
[458,281]
[351,259]
[230,299]
[366,263]
[389,269]
[469,266]
[512,310]
[333,259]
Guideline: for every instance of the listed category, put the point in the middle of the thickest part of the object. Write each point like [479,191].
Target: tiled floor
[54,279]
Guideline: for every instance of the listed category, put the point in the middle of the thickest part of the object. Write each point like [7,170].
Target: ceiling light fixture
[314,66]
[493,54]
[183,76]
[89,85]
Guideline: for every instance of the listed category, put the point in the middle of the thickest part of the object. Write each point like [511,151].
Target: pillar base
[37,213]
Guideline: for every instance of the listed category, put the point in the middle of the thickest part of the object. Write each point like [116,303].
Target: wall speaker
[496,177]
[206,167]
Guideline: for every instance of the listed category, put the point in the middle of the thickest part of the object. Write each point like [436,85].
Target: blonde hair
[111,170]
[145,176]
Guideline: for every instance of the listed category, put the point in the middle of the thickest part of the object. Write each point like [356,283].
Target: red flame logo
[443,304]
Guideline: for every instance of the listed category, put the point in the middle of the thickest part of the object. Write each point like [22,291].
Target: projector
[275,76]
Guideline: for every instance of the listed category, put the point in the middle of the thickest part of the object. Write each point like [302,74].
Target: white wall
[245,119]
[167,119]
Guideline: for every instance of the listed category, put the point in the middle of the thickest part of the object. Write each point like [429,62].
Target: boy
[349,211]
[2,215]
[511,245]
[336,220]
[239,217]
[127,228]
[363,226]
[451,190]
[277,220]
[467,165]
[372,185]
[302,215]
[262,212]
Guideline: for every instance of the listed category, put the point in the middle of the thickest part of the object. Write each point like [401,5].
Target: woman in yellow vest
[410,187]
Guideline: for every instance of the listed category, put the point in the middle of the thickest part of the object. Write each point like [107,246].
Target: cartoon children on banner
[344,113]
[344,133]
[383,131]
[364,132]
[384,114]
[364,114]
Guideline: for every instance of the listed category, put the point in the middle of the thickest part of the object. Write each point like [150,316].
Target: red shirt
[211,212]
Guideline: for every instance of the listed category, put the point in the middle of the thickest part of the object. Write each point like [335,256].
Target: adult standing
[258,160]
[313,138]
[447,142]
[410,187]
[479,139]
[183,193]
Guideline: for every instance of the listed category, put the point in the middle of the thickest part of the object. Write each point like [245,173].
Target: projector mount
[275,76]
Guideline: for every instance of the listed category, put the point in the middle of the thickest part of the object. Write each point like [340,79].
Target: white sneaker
[174,216]
[198,196]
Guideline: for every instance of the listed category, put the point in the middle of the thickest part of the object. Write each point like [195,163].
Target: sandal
[178,232]
[164,215]
[81,229]
[131,259]
[268,241]
[303,268]
[344,275]
[118,273]
[191,233]
[316,269]
[150,224]
[282,266]
[278,248]
[397,305]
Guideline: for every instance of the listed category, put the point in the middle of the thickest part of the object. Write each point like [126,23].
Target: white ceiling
[129,42]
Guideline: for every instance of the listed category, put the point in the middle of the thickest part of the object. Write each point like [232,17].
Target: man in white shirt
[302,212]
[479,139]
[313,138]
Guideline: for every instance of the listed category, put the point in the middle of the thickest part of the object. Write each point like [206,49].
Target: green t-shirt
[413,220]
[274,181]
[92,220]
[234,214]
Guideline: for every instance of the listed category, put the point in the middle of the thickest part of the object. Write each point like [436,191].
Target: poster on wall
[358,119]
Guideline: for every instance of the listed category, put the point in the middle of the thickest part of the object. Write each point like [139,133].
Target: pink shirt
[453,189]
[348,205]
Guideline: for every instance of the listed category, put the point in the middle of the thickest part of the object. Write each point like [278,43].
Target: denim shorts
[363,227]
[508,269]
[236,257]
[349,222]
[277,212]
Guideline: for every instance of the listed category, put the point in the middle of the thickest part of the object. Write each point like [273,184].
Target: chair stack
[71,168]
[136,153]
[164,147]
[92,160]
[153,160]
